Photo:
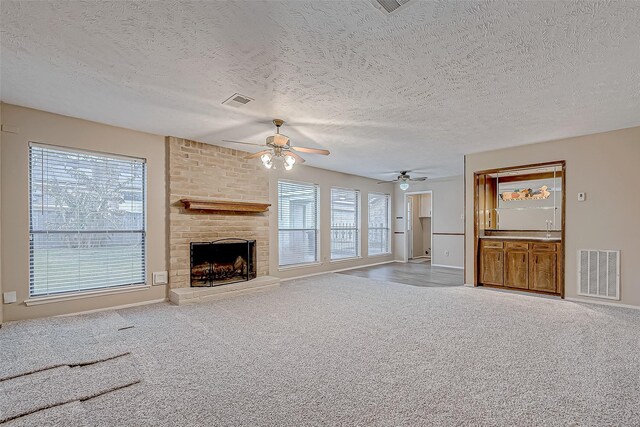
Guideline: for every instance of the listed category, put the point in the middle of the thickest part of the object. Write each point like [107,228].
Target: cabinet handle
[536,259]
[522,257]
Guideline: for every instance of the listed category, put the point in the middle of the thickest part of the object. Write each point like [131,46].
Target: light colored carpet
[345,350]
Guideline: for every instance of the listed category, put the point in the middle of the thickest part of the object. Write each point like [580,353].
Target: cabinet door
[543,272]
[516,273]
[425,206]
[492,267]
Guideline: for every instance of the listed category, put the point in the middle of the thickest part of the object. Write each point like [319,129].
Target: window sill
[296,266]
[353,258]
[379,255]
[81,295]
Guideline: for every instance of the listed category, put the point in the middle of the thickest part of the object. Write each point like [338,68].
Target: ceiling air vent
[390,6]
[237,100]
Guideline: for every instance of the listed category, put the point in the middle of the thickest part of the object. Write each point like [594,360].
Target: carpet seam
[84,399]
[71,365]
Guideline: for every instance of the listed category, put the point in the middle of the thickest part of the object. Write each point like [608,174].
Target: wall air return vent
[237,100]
[599,273]
[390,6]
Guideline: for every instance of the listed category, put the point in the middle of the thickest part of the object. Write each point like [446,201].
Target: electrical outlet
[446,253]
[160,278]
[582,196]
[10,129]
[9,297]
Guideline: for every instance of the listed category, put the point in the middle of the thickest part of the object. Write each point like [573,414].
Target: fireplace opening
[222,262]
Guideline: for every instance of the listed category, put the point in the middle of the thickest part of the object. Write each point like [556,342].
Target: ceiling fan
[404,178]
[279,148]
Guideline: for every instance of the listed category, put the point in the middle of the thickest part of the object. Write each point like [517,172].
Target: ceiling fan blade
[295,156]
[258,154]
[386,182]
[242,142]
[311,150]
[422,178]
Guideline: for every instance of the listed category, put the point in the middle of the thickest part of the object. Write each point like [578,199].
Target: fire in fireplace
[222,262]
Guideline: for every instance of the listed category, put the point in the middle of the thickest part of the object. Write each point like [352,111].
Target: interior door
[410,227]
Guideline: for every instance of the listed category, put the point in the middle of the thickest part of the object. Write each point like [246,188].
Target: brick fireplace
[203,171]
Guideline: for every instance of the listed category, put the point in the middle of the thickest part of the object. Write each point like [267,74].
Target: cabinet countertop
[537,239]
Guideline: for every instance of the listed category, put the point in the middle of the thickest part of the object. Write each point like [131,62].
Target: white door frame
[406,222]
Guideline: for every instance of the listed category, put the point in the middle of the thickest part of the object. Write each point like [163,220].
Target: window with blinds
[297,223]
[345,223]
[87,220]
[379,224]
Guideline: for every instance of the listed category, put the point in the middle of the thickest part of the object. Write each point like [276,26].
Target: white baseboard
[593,301]
[117,307]
[469,285]
[337,270]
[446,266]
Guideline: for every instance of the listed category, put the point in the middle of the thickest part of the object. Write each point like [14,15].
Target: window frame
[317,230]
[387,197]
[37,298]
[357,228]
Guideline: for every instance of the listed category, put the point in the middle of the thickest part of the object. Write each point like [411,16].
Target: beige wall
[447,213]
[607,167]
[1,302]
[325,179]
[208,172]
[189,174]
[39,126]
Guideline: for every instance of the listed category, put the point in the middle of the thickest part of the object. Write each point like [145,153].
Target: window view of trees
[87,221]
[345,223]
[379,224]
[297,223]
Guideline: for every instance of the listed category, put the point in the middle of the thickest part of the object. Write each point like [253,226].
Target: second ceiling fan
[404,178]
[278,148]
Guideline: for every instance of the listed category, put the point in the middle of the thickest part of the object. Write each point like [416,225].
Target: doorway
[418,212]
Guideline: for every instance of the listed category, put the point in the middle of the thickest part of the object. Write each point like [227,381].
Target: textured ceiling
[414,90]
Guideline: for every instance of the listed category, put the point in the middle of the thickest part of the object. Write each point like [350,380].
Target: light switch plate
[9,297]
[582,197]
[160,278]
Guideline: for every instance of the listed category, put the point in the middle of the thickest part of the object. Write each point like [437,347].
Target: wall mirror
[524,199]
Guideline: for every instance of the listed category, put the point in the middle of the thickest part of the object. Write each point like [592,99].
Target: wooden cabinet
[543,271]
[425,206]
[526,265]
[516,268]
[492,266]
[516,273]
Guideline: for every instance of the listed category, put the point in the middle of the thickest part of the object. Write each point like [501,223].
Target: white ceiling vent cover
[390,6]
[237,100]
[599,273]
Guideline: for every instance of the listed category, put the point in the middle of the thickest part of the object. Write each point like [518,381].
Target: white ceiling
[414,90]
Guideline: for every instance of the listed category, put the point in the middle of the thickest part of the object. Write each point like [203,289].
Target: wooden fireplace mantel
[224,206]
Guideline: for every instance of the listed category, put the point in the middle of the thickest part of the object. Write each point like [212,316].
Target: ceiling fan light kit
[279,151]
[270,161]
[404,178]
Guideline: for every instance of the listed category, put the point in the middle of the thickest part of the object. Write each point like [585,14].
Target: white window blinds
[87,220]
[297,223]
[379,224]
[345,223]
